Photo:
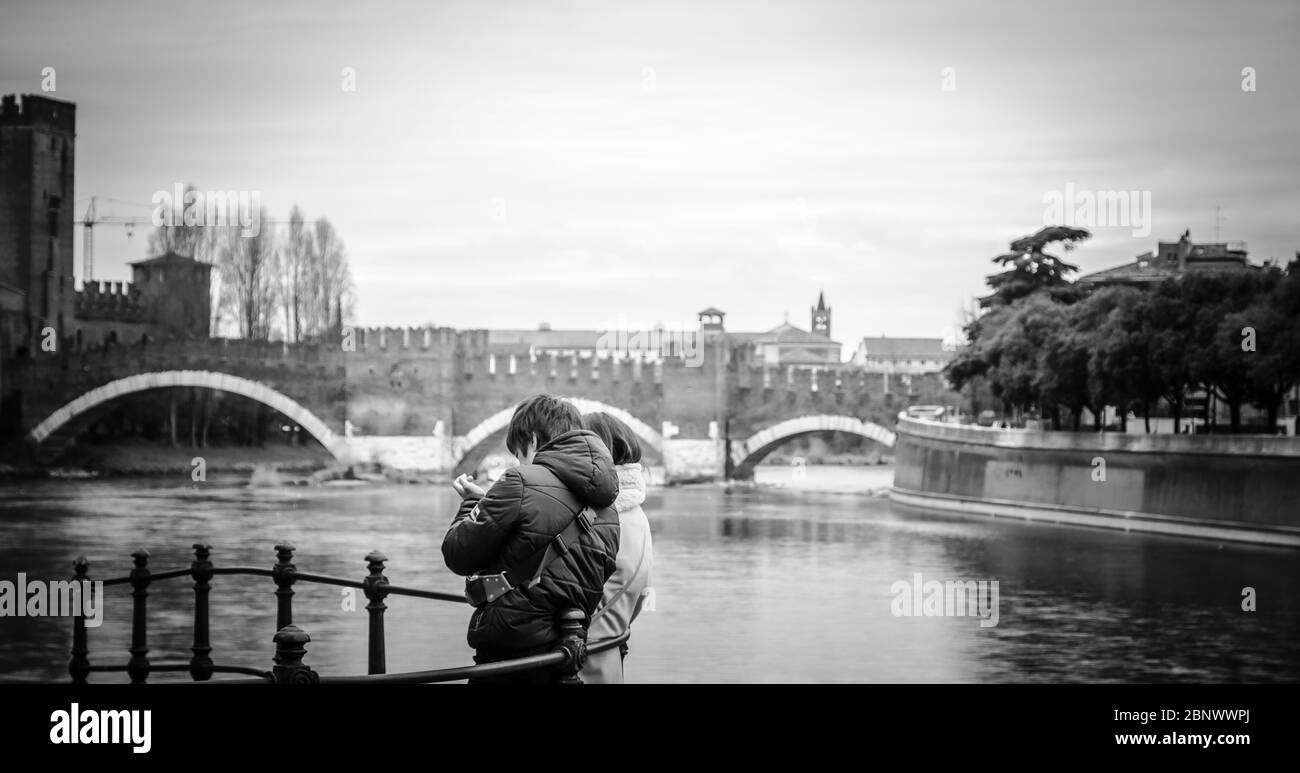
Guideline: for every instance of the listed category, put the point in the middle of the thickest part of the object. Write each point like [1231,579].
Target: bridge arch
[194,378]
[746,454]
[466,448]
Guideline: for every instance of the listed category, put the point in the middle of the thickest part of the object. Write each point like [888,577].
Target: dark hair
[617,436]
[544,416]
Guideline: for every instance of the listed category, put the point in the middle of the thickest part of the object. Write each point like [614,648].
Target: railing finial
[284,575]
[573,642]
[290,648]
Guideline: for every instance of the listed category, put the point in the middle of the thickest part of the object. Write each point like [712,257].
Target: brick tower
[36,172]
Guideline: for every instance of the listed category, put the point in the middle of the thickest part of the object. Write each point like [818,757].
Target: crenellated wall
[111,301]
[427,389]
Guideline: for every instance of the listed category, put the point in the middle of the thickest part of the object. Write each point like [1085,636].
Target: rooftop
[168,258]
[1170,259]
[908,348]
[785,333]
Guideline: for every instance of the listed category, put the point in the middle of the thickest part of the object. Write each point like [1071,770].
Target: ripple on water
[753,584]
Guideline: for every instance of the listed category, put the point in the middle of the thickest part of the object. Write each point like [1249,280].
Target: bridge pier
[694,461]
[406,453]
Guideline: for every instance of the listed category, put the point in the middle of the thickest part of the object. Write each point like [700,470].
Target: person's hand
[466,488]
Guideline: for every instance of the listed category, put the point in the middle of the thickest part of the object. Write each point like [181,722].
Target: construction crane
[93,218]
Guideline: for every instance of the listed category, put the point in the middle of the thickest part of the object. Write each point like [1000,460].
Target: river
[790,580]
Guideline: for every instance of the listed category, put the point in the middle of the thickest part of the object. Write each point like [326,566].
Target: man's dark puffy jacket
[510,529]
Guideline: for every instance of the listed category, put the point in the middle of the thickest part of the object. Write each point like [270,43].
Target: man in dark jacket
[563,470]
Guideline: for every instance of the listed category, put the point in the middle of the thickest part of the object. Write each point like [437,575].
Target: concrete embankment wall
[1241,488]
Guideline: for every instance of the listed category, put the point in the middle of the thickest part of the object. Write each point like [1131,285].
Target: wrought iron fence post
[284,574]
[573,643]
[201,571]
[376,588]
[138,666]
[79,666]
[290,647]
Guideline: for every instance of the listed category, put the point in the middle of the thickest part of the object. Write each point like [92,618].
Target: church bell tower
[821,316]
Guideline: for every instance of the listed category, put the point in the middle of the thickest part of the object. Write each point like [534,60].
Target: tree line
[291,281]
[1049,346]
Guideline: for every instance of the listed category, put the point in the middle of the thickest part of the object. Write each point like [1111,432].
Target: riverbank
[1239,488]
[145,459]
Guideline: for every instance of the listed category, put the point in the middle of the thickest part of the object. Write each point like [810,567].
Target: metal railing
[567,658]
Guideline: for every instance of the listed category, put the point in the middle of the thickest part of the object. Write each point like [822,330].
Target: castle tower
[37,137]
[821,316]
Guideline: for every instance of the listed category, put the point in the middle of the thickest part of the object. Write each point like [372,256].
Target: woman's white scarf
[631,487]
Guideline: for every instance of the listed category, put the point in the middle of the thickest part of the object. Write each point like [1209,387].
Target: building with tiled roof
[787,344]
[1173,259]
[913,356]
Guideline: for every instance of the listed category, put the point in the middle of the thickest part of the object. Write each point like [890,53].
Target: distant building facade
[1174,259]
[788,345]
[783,345]
[911,356]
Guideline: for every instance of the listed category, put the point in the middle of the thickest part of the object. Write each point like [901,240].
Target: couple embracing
[564,529]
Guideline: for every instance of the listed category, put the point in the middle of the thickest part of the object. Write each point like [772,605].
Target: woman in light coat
[627,589]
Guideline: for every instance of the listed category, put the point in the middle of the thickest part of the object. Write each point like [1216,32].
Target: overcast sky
[507,162]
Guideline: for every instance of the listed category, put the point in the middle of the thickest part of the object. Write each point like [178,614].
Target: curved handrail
[321,579]
[457,673]
[290,640]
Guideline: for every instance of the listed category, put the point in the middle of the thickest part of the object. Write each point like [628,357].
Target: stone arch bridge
[436,399]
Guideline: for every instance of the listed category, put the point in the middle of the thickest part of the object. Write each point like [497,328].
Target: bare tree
[295,270]
[249,280]
[333,297]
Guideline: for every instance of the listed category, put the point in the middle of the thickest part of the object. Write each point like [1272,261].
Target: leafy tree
[1095,336]
[1028,267]
[1273,368]
[1123,348]
[1167,322]
[1046,341]
[1213,349]
[1062,377]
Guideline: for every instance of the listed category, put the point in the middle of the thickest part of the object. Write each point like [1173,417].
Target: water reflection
[752,584]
